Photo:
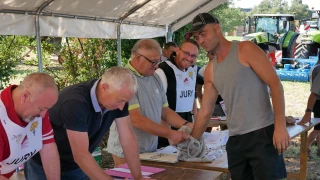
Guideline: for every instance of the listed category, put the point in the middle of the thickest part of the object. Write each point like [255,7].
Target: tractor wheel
[292,48]
[302,51]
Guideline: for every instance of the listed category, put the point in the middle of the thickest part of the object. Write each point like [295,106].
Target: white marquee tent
[109,19]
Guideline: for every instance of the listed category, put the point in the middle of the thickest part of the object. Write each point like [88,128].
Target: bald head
[37,83]
[34,96]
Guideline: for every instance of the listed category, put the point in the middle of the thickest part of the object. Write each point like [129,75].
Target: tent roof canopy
[99,18]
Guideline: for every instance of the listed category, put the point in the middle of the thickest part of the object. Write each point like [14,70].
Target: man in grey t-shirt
[237,68]
[148,106]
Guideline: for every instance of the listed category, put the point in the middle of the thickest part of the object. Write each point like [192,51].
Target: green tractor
[310,36]
[275,30]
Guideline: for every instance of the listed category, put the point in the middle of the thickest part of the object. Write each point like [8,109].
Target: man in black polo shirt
[80,119]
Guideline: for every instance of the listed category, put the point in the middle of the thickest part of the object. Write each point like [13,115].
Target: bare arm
[147,125]
[199,92]
[307,115]
[208,101]
[50,161]
[129,145]
[142,122]
[172,118]
[195,109]
[79,143]
[252,56]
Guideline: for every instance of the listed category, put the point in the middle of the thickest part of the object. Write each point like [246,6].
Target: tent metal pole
[37,26]
[169,34]
[131,11]
[39,53]
[119,44]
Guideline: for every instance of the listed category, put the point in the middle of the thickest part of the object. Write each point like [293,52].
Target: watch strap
[308,110]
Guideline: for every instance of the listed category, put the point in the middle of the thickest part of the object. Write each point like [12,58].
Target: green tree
[271,7]
[281,6]
[301,10]
[229,17]
[83,59]
[11,50]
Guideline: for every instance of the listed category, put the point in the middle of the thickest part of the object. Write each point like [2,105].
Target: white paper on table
[128,171]
[168,150]
[159,157]
[213,146]
[168,154]
[216,138]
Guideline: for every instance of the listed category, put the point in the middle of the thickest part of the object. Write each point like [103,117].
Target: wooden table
[215,123]
[18,176]
[174,173]
[171,173]
[302,130]
[221,164]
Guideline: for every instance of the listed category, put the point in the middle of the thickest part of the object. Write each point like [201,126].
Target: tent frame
[119,22]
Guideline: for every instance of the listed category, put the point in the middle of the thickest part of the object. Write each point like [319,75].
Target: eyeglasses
[193,56]
[152,62]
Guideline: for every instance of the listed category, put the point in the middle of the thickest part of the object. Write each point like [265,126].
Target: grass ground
[296,97]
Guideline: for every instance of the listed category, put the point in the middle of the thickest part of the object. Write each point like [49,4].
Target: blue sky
[251,3]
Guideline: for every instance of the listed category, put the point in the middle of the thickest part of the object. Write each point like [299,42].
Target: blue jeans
[34,171]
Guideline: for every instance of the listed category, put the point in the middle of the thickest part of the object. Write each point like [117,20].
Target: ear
[25,97]
[217,27]
[105,87]
[138,58]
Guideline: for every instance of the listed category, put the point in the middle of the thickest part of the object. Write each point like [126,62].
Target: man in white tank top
[25,127]
[241,73]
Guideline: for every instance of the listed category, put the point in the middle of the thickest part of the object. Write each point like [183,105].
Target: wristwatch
[308,110]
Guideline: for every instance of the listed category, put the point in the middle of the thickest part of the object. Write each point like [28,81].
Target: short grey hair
[117,76]
[147,44]
[37,83]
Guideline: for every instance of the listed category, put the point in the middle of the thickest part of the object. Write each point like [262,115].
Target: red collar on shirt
[6,97]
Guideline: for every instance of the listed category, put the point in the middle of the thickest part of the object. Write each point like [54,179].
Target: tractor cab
[275,30]
[310,36]
[272,23]
[268,28]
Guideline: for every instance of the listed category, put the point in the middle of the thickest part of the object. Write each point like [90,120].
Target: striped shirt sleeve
[47,132]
